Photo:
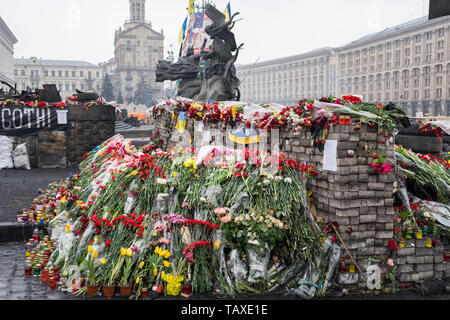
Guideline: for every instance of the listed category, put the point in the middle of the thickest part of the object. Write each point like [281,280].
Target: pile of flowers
[32,104]
[317,115]
[428,177]
[174,223]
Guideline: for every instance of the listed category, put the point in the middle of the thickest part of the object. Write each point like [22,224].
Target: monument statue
[219,81]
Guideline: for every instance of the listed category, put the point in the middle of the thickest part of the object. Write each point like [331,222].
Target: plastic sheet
[258,260]
[20,157]
[237,267]
[130,203]
[439,211]
[242,200]
[6,148]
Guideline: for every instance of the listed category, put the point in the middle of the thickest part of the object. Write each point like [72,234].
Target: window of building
[53,73]
[440,32]
[417,49]
[67,74]
[429,47]
[46,73]
[440,44]
[417,38]
[440,56]
[426,94]
[67,87]
[429,35]
[22,72]
[73,74]
[407,41]
[60,73]
[97,74]
[81,74]
[416,83]
[439,68]
[439,93]
[407,52]
[439,81]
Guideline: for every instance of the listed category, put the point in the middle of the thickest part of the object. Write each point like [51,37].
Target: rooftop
[54,63]
[8,32]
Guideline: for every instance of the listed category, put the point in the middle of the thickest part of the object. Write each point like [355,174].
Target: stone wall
[86,129]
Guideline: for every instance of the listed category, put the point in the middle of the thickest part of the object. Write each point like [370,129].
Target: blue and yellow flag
[191,6]
[227,12]
[182,32]
[181,122]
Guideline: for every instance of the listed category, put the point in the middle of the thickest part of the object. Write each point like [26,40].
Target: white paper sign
[62,116]
[330,156]
[419,115]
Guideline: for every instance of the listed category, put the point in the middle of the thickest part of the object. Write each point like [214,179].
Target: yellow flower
[63,200]
[157,250]
[123,252]
[90,249]
[167,255]
[166,264]
[163,275]
[129,252]
[135,172]
[95,254]
[217,245]
[103,262]
[189,163]
[141,265]
[175,174]
[137,280]
[155,272]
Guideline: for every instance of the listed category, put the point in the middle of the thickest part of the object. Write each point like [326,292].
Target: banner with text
[16,121]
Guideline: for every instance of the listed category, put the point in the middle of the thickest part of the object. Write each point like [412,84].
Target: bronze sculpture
[219,81]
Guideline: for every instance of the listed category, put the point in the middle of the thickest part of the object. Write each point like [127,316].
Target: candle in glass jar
[402,244]
[44,276]
[429,243]
[52,282]
[419,234]
[352,268]
[28,270]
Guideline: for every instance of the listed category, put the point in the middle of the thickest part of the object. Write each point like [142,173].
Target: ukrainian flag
[227,12]
[182,32]
[181,122]
[244,136]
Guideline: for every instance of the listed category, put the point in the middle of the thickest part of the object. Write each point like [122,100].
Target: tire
[413,130]
[420,144]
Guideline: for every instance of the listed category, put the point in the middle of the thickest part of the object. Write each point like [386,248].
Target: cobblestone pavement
[14,285]
[18,188]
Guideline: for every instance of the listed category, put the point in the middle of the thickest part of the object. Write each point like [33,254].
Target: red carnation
[393,245]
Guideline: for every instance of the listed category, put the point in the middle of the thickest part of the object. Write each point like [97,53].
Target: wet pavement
[15,285]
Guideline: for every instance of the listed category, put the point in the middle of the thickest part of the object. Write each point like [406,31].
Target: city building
[408,64]
[137,50]
[67,75]
[7,42]
[285,80]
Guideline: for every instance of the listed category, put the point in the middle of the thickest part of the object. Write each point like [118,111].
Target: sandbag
[6,147]
[20,157]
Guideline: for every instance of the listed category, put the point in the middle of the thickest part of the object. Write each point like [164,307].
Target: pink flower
[184,205]
[386,168]
[135,249]
[225,219]
[164,241]
[374,165]
[390,262]
[220,211]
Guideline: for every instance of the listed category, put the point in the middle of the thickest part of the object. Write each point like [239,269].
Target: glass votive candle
[402,244]
[352,268]
[419,234]
[429,243]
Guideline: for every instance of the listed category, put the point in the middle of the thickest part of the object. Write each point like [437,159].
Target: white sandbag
[6,147]
[20,157]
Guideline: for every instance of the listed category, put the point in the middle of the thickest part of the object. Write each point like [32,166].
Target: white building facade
[66,75]
[408,64]
[7,42]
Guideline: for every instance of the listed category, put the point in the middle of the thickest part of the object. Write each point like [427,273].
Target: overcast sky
[84,29]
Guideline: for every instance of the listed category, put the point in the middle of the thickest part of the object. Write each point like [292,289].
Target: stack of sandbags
[6,148]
